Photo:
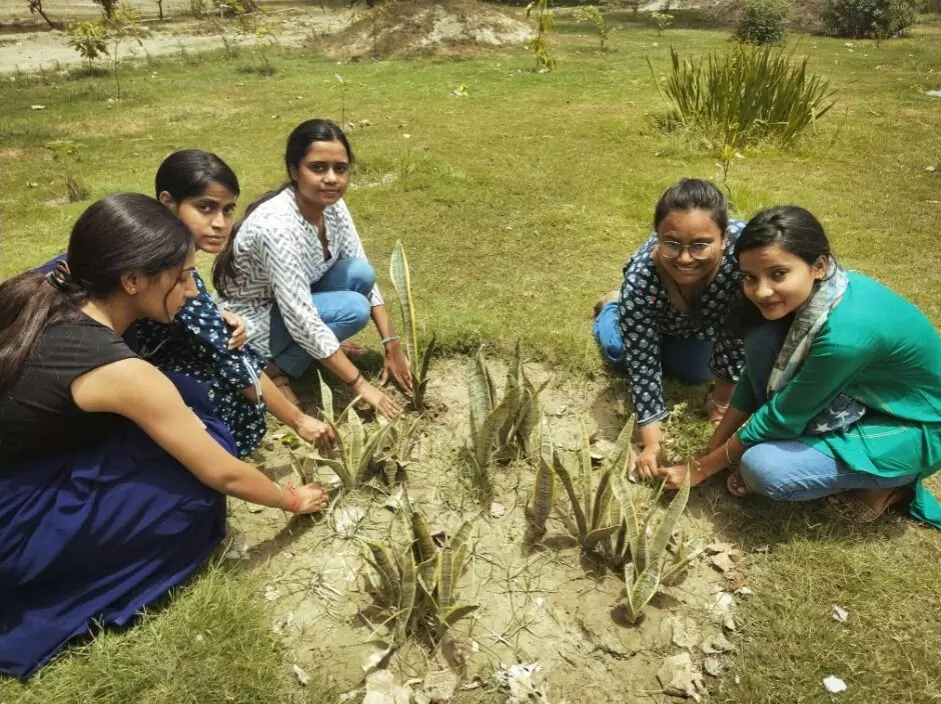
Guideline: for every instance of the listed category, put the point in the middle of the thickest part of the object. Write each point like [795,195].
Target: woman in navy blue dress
[201,190]
[113,476]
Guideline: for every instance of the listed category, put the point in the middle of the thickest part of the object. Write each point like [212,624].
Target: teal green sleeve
[829,368]
[744,397]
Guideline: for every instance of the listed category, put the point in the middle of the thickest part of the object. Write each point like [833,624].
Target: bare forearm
[380,318]
[651,434]
[730,423]
[341,366]
[278,404]
[728,453]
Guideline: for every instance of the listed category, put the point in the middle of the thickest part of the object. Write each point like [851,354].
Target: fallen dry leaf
[834,684]
[302,676]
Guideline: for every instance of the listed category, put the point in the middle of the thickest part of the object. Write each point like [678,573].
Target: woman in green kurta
[841,394]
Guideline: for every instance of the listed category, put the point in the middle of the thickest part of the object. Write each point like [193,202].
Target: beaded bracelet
[359,375]
[385,340]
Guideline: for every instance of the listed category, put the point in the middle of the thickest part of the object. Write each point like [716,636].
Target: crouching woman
[112,476]
[841,394]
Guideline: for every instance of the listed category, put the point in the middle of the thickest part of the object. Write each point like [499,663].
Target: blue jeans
[686,360]
[789,470]
[341,299]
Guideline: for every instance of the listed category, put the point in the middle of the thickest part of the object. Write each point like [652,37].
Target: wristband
[295,499]
[385,340]
[359,375]
[728,455]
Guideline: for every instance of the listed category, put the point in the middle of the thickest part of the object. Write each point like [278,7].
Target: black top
[38,417]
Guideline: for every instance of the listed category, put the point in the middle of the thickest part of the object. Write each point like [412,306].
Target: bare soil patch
[546,606]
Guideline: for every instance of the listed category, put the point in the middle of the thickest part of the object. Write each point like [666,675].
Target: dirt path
[49,50]
[543,605]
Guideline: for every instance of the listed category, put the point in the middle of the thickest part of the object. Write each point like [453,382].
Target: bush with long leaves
[401,280]
[417,584]
[746,94]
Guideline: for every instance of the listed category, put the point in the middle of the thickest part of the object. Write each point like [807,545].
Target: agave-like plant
[398,448]
[401,280]
[356,455]
[502,428]
[417,584]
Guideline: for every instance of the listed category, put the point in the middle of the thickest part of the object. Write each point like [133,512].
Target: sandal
[736,486]
[710,404]
[851,507]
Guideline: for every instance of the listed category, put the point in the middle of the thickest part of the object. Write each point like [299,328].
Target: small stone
[834,685]
[302,676]
[712,666]
[717,643]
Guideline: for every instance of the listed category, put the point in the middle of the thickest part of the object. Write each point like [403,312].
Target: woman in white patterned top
[295,269]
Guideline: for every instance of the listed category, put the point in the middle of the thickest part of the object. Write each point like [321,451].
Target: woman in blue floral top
[202,341]
[678,290]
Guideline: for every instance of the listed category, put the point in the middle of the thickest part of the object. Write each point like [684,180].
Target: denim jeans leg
[607,332]
[789,470]
[762,345]
[686,359]
[347,275]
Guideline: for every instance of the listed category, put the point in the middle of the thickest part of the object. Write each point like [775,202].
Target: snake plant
[401,280]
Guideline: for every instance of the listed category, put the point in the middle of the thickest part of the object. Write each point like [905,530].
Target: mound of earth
[407,28]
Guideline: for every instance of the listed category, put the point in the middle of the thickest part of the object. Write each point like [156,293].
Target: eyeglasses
[698,250]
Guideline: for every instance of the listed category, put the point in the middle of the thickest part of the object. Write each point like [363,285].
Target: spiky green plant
[417,584]
[356,456]
[401,280]
[543,498]
[502,428]
[398,449]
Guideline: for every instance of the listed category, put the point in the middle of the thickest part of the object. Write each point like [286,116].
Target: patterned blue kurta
[195,344]
[646,313]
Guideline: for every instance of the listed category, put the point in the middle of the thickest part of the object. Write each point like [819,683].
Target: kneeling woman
[669,317]
[112,476]
[841,393]
[296,270]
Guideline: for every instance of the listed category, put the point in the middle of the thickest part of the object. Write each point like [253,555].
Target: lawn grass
[518,205]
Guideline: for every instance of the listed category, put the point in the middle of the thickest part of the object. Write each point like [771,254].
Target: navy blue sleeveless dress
[96,520]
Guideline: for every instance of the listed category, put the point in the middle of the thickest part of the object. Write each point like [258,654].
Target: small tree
[160,9]
[545,23]
[872,19]
[90,40]
[663,21]
[35,8]
[762,22]
[590,13]
[124,25]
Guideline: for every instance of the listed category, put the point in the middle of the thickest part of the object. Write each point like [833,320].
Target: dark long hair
[299,141]
[188,173]
[693,194]
[120,234]
[790,227]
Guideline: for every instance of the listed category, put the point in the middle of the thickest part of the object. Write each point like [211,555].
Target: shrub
[762,22]
[746,95]
[874,19]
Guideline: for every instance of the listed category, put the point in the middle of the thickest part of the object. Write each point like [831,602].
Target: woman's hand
[609,297]
[310,498]
[675,476]
[238,338]
[396,366]
[375,398]
[647,466]
[315,432]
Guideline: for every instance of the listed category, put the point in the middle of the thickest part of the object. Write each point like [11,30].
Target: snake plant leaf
[599,511]
[514,371]
[661,536]
[356,439]
[401,280]
[463,535]
[427,571]
[488,379]
[624,495]
[619,457]
[479,397]
[684,557]
[339,468]
[423,542]
[543,496]
[640,551]
[420,383]
[546,447]
[456,613]
[326,399]
[370,450]
[383,563]
[409,588]
[490,430]
[597,535]
[584,456]
[566,479]
[642,591]
[445,578]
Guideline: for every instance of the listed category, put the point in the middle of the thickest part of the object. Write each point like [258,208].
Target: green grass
[518,205]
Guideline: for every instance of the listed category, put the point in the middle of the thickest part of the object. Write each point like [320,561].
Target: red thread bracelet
[295,499]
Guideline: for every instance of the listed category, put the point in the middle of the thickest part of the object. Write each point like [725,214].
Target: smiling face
[208,216]
[323,174]
[691,245]
[161,297]
[778,282]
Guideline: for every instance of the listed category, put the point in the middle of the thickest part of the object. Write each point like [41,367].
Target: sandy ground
[28,51]
[543,605]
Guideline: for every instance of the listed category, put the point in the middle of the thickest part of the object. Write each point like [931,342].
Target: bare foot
[352,349]
[866,505]
[283,383]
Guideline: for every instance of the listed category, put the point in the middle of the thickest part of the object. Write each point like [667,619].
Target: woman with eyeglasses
[669,316]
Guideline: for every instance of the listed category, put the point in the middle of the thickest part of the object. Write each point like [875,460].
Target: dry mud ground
[544,604]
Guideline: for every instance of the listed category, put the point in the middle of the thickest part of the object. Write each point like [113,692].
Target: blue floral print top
[195,344]
[646,313]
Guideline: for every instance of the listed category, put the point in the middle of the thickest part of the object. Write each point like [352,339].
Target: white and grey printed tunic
[646,314]
[277,258]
